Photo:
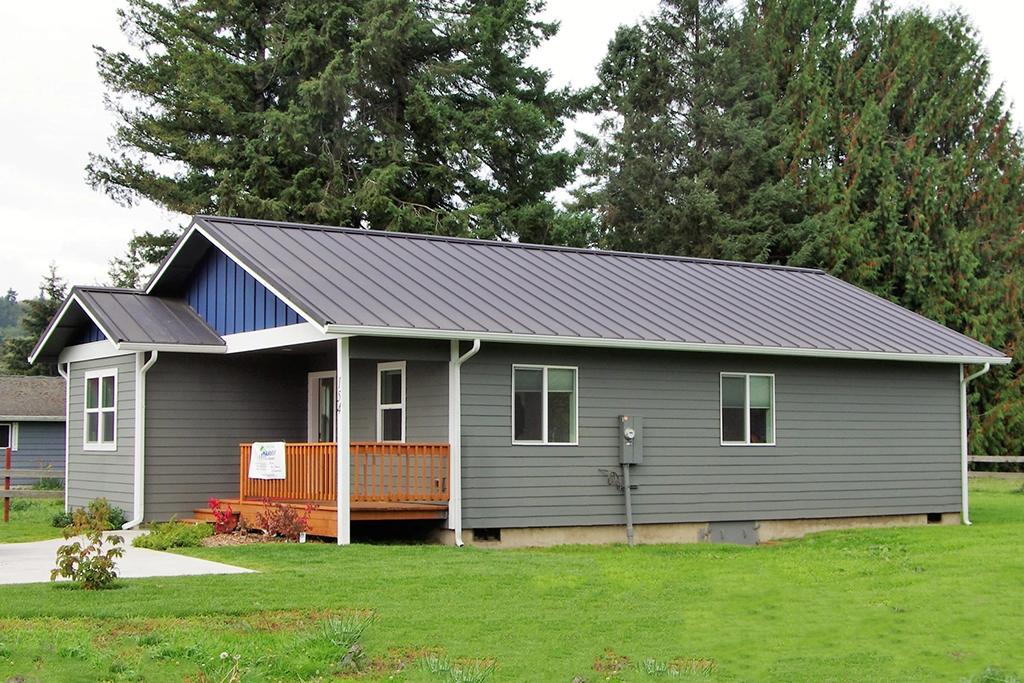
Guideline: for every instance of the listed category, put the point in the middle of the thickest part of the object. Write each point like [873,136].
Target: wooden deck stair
[390,481]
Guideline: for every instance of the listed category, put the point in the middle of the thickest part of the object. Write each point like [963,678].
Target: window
[8,436]
[100,410]
[391,402]
[322,407]
[543,405]
[748,409]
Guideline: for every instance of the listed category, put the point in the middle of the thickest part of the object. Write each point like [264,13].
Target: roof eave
[641,344]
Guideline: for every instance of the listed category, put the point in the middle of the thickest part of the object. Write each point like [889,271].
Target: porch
[390,481]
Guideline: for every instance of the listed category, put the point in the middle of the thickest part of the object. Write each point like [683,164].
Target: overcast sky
[52,117]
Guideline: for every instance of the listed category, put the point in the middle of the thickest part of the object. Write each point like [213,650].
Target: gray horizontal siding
[200,408]
[852,438]
[40,445]
[102,474]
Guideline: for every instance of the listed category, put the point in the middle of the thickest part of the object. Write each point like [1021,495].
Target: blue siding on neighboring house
[231,300]
[88,334]
[40,444]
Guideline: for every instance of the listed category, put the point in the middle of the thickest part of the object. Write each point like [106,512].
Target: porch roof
[348,281]
[130,320]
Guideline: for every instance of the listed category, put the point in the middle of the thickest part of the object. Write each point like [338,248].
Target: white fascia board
[275,337]
[32,418]
[640,344]
[172,348]
[55,323]
[170,257]
[90,351]
[194,228]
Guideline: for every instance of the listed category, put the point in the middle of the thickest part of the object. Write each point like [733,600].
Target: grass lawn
[31,520]
[917,604]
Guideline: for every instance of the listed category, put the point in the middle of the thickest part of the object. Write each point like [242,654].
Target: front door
[322,411]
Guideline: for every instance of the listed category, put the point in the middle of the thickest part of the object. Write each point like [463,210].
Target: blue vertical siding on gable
[231,300]
[88,334]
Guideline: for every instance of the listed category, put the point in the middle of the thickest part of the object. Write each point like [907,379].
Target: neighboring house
[483,383]
[32,422]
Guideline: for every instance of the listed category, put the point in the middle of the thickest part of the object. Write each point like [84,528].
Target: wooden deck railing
[400,471]
[380,472]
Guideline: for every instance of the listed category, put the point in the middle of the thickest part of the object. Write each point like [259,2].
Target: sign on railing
[384,472]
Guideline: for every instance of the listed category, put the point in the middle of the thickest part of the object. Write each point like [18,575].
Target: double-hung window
[101,410]
[391,401]
[543,405]
[748,409]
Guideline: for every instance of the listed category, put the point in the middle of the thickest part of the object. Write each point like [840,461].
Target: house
[32,422]
[485,385]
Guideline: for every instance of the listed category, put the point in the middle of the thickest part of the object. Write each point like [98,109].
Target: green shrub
[112,517]
[89,565]
[62,519]
[173,534]
[49,484]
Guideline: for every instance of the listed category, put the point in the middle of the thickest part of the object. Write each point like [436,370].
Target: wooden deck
[390,481]
[323,520]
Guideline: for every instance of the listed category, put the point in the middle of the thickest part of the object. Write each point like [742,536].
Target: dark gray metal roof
[130,316]
[369,282]
[130,319]
[30,399]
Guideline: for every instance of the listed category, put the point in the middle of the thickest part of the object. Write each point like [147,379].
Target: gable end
[231,300]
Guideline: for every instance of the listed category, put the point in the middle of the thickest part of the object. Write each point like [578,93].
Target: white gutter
[963,435]
[66,374]
[142,366]
[595,342]
[455,436]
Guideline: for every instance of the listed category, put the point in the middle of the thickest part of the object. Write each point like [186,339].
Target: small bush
[282,520]
[88,565]
[111,517]
[62,519]
[173,534]
[991,675]
[49,484]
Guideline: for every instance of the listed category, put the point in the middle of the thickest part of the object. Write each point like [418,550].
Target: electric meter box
[631,440]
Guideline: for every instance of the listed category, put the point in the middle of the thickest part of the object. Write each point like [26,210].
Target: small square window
[544,405]
[748,409]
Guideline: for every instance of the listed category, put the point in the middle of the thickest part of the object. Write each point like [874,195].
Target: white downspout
[141,368]
[963,435]
[66,374]
[455,436]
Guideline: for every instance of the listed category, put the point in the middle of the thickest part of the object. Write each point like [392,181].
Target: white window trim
[381,367]
[100,446]
[544,408]
[14,436]
[746,409]
[313,405]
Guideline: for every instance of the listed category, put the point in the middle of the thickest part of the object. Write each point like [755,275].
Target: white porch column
[343,437]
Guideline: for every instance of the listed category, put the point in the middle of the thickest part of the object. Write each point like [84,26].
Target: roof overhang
[60,329]
[639,344]
[32,418]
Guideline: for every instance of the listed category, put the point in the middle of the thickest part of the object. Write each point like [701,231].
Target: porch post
[342,434]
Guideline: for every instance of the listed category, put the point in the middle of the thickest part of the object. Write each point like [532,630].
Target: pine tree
[389,114]
[39,312]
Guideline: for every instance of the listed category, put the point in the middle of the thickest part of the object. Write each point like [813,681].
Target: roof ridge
[510,245]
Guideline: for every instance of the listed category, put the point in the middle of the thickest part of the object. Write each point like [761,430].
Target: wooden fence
[25,474]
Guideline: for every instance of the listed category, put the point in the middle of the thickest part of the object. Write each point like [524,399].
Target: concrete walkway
[32,562]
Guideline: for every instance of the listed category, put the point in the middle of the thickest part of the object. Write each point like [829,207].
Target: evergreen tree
[10,313]
[389,114]
[686,139]
[144,251]
[868,146]
[39,312]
